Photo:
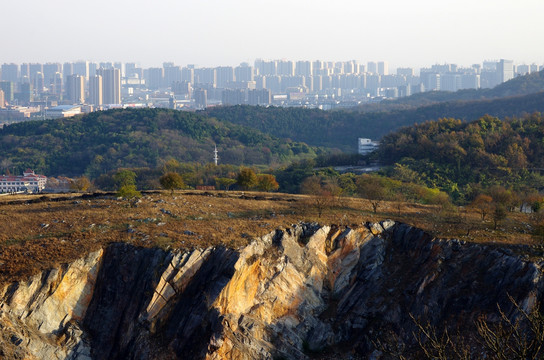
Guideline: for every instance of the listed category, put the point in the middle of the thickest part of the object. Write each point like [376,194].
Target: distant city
[52,90]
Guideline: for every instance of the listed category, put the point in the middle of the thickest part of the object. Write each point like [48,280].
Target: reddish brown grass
[39,235]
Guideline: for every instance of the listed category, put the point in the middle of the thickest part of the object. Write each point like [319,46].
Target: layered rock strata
[303,292]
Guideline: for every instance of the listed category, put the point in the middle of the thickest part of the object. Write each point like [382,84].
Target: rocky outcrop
[41,316]
[151,304]
[295,293]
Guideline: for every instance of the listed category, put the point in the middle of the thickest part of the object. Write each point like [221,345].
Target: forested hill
[340,129]
[101,141]
[315,126]
[450,153]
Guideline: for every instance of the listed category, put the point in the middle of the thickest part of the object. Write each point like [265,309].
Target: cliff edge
[308,291]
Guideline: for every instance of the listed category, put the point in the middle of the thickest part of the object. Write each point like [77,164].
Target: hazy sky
[227,32]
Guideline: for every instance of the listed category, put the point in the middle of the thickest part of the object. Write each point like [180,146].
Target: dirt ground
[38,232]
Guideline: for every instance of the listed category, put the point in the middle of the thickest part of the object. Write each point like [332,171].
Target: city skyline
[213,33]
[107,63]
[68,88]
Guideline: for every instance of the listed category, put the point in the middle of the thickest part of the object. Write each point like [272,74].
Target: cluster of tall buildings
[323,84]
[449,77]
[80,82]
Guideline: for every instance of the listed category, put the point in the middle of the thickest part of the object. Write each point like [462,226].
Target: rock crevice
[293,293]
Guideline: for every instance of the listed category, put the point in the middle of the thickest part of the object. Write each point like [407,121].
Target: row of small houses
[28,182]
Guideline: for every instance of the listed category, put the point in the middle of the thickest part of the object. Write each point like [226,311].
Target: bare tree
[518,337]
[482,204]
[323,193]
[435,345]
[372,188]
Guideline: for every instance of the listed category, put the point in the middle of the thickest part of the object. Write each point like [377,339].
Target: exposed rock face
[41,316]
[151,304]
[293,294]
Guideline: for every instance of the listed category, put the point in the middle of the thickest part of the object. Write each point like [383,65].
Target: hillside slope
[101,141]
[340,129]
[518,86]
[449,153]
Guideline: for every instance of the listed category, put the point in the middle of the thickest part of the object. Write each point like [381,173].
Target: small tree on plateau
[172,181]
[124,177]
[246,179]
[323,193]
[126,181]
[267,182]
[371,188]
[81,184]
[128,192]
[224,183]
[483,203]
[499,214]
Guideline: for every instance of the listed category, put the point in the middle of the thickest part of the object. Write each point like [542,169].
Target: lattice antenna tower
[215,156]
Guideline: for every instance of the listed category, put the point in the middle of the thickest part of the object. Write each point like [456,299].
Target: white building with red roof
[29,182]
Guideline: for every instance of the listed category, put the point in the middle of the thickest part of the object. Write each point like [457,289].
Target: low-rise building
[29,182]
[366,146]
[63,111]
[17,113]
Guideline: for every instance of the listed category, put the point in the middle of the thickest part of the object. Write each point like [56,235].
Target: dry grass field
[41,231]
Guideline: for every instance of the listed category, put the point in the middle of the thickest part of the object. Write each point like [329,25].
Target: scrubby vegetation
[340,129]
[514,334]
[464,159]
[39,231]
[99,142]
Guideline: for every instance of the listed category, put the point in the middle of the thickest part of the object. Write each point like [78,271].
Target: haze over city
[214,33]
[271,179]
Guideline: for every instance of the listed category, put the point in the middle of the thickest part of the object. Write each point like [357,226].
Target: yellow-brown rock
[303,292]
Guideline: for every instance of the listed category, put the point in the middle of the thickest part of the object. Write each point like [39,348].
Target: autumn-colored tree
[506,198]
[323,194]
[172,181]
[267,182]
[346,182]
[535,201]
[81,184]
[516,156]
[538,226]
[371,187]
[247,179]
[400,200]
[405,174]
[172,165]
[483,204]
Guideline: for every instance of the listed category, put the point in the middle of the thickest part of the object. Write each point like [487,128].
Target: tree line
[173,175]
[96,143]
[339,129]
[465,159]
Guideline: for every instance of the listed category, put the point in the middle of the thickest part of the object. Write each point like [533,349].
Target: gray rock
[290,294]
